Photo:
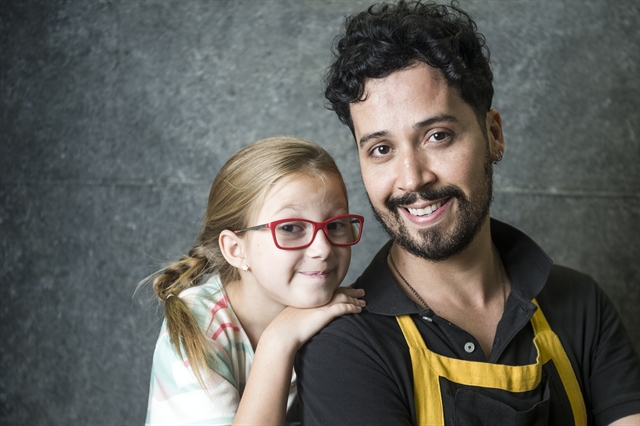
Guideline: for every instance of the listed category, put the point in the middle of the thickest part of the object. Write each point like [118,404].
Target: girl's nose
[320,246]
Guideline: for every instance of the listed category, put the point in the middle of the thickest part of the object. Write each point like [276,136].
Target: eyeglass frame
[316,226]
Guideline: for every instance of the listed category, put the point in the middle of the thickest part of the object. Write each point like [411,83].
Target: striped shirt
[176,396]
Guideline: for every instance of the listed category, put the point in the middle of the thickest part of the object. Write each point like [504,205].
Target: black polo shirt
[357,370]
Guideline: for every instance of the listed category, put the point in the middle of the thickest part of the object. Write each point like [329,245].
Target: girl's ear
[232,248]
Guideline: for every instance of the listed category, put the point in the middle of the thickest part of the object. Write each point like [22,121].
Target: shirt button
[469,347]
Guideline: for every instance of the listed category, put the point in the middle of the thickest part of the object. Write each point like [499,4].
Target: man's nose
[413,171]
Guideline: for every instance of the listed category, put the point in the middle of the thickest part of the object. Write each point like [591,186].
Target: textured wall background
[116,115]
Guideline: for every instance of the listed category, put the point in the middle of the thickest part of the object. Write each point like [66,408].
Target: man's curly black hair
[390,37]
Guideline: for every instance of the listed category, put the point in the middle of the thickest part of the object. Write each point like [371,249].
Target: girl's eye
[290,227]
[336,226]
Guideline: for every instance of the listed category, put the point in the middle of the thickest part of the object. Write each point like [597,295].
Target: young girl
[260,280]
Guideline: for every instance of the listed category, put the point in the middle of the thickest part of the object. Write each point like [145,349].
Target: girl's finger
[355,292]
[341,298]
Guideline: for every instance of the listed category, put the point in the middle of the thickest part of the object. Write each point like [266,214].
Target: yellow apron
[429,367]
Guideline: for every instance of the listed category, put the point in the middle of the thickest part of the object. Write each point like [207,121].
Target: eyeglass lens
[299,233]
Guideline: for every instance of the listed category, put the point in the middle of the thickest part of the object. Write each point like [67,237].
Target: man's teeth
[426,211]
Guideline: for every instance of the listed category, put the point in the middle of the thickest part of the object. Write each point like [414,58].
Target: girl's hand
[265,397]
[294,326]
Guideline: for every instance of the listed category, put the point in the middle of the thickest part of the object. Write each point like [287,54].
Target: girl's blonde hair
[236,195]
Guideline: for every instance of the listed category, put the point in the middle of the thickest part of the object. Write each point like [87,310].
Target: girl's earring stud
[245,268]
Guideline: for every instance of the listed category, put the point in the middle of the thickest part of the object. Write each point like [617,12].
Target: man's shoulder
[561,272]
[567,282]
[572,301]
[365,346]
[362,323]
[357,332]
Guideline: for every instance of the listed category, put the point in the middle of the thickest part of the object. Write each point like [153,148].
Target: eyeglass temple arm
[253,228]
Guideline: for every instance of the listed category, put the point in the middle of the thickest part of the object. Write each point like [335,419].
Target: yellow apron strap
[426,383]
[550,348]
[428,367]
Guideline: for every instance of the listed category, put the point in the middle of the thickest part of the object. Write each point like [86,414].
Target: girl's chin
[315,302]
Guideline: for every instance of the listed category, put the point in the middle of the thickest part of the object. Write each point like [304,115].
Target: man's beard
[436,244]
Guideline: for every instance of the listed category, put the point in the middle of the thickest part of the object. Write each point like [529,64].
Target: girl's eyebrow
[295,209]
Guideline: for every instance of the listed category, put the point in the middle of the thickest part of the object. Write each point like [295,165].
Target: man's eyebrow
[425,123]
[444,118]
[376,135]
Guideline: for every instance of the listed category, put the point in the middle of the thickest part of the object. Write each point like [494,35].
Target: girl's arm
[633,420]
[265,396]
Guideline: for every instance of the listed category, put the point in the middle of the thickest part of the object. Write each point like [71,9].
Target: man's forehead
[407,92]
[399,77]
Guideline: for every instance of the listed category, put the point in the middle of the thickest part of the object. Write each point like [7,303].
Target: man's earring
[245,268]
[497,160]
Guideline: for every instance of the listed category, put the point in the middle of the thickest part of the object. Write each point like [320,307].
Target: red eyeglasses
[293,234]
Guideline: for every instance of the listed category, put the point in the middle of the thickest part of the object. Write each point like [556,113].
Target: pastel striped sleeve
[177,398]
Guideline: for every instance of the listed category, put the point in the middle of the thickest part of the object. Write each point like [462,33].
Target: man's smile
[425,211]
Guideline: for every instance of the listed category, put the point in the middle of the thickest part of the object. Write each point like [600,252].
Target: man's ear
[232,248]
[495,136]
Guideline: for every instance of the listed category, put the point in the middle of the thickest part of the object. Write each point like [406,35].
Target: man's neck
[467,278]
[469,289]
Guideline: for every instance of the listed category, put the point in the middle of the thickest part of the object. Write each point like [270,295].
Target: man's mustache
[393,203]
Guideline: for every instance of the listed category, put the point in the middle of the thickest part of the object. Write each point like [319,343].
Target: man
[467,320]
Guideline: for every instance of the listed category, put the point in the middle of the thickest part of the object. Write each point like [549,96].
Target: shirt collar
[527,265]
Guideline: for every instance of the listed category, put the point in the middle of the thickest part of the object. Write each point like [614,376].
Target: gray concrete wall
[116,115]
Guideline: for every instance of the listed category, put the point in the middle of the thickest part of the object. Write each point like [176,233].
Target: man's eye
[439,136]
[381,150]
